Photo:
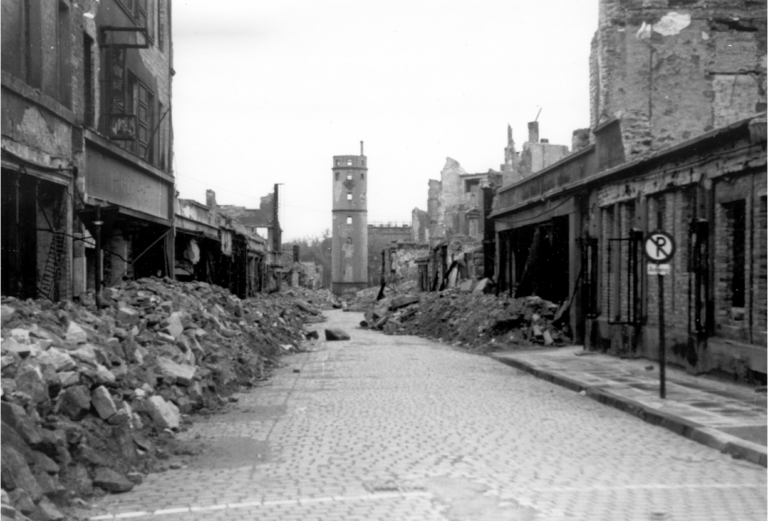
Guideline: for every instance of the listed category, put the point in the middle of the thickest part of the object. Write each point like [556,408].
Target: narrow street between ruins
[395,428]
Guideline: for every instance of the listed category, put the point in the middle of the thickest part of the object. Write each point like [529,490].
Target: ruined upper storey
[662,72]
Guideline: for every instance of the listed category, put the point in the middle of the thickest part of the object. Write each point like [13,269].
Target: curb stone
[723,442]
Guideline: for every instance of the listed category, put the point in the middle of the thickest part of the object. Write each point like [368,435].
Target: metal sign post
[659,248]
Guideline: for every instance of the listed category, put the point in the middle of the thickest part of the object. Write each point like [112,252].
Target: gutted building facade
[42,149]
[667,152]
[349,244]
[128,185]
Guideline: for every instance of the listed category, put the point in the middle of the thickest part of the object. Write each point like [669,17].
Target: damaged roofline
[626,169]
[553,166]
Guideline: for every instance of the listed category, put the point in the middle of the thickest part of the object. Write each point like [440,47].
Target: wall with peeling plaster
[672,70]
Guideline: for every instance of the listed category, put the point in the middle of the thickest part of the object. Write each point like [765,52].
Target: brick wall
[671,73]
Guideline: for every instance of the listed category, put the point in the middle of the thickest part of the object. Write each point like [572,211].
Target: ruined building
[87,185]
[536,155]
[678,144]
[349,246]
[663,72]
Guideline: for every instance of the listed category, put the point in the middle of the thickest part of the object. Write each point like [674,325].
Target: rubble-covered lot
[470,319]
[91,398]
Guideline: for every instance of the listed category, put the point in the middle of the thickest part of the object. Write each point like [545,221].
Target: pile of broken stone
[471,319]
[92,397]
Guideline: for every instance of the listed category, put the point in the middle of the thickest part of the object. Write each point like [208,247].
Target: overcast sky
[269,91]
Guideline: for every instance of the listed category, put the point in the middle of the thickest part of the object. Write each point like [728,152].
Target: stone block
[165,415]
[127,316]
[173,325]
[111,481]
[7,313]
[182,374]
[76,334]
[333,334]
[15,416]
[103,403]
[75,402]
[58,358]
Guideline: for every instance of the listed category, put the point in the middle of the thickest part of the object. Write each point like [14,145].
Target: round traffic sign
[659,247]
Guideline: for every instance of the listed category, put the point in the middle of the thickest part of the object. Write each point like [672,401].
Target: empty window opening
[337,174]
[349,162]
[349,219]
[471,184]
[338,163]
[349,196]
[362,177]
[349,240]
[349,177]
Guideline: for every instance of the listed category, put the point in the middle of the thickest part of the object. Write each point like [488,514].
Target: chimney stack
[533,132]
[210,199]
[361,149]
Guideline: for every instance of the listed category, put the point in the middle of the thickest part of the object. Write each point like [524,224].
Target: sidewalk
[728,417]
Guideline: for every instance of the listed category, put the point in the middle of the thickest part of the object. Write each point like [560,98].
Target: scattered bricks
[111,481]
[335,334]
[164,414]
[75,402]
[7,313]
[75,334]
[103,403]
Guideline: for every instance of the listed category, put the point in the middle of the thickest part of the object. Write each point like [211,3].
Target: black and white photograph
[365,260]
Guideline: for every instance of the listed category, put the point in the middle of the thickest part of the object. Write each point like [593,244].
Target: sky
[268,92]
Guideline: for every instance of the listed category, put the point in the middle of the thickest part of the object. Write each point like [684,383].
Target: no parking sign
[659,248]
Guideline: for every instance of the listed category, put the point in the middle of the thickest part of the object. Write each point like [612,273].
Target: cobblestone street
[396,428]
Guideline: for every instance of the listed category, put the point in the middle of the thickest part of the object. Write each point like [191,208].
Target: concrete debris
[92,395]
[470,318]
[336,334]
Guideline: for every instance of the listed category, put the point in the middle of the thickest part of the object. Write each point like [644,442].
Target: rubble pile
[366,298]
[474,320]
[90,397]
[319,298]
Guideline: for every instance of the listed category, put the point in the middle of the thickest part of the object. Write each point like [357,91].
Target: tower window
[362,177]
[349,196]
[349,219]
[337,176]
[349,177]
[349,240]
[349,162]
